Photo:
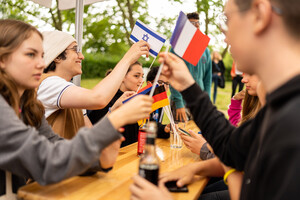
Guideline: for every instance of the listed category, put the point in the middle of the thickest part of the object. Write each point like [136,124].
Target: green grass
[90,83]
[222,102]
[223,97]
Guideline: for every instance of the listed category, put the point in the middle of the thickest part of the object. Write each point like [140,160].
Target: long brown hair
[251,106]
[12,34]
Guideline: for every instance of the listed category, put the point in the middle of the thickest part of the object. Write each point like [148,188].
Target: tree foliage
[107,30]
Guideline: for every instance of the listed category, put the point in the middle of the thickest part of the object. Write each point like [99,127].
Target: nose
[41,63]
[245,80]
[80,56]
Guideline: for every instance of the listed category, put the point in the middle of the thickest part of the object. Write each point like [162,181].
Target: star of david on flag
[142,32]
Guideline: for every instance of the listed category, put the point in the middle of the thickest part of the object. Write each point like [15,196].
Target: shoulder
[52,84]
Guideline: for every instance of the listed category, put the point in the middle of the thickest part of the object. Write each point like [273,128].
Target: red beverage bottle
[141,141]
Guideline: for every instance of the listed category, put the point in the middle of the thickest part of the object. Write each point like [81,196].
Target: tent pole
[78,32]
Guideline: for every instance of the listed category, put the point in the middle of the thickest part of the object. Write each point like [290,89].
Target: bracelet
[227,174]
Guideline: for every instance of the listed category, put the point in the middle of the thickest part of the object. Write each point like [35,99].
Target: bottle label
[149,172]
[141,142]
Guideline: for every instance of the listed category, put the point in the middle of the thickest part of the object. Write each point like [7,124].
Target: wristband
[227,174]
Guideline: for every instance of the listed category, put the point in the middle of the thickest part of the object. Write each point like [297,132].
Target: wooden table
[115,184]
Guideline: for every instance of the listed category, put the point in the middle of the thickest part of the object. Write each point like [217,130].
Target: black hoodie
[266,148]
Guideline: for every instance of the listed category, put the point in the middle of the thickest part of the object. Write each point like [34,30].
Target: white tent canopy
[78,5]
[64,4]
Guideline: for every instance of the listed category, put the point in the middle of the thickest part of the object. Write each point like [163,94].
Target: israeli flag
[142,32]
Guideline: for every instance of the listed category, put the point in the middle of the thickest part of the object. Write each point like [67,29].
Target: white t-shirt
[50,91]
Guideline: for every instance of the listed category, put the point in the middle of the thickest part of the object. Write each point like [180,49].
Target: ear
[57,60]
[263,14]
[2,64]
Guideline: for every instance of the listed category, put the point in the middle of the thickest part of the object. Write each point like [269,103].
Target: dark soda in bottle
[149,163]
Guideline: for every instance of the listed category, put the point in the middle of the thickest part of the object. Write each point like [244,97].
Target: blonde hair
[12,34]
[218,55]
[251,106]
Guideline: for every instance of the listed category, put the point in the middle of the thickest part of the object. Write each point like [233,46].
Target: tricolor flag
[142,32]
[188,41]
[160,97]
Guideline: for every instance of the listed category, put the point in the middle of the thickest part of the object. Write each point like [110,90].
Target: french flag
[188,41]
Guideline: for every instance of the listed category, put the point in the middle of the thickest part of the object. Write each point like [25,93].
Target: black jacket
[266,148]
[131,131]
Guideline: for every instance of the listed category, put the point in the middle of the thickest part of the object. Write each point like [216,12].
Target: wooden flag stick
[158,74]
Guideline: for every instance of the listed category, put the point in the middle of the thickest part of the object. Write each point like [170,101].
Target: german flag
[160,98]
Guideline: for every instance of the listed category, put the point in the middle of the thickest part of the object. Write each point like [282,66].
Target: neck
[63,75]
[123,88]
[20,92]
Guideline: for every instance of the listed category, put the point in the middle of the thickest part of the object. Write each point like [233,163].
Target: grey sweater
[42,155]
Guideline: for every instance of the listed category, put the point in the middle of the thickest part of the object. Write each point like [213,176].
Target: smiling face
[133,79]
[71,66]
[25,65]
[251,82]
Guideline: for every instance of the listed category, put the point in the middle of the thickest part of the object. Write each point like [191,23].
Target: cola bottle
[149,162]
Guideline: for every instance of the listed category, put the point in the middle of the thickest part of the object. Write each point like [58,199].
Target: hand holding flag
[142,32]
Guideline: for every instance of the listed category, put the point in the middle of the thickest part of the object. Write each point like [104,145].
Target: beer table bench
[115,184]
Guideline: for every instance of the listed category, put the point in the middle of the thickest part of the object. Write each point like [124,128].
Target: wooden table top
[115,184]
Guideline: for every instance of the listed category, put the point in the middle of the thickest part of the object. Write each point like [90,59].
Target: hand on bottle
[136,51]
[193,142]
[183,176]
[240,95]
[109,155]
[176,71]
[144,190]
[137,108]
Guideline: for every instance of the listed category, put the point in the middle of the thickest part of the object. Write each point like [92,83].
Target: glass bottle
[149,163]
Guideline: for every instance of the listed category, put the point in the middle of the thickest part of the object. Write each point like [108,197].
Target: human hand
[167,128]
[176,71]
[219,74]
[137,108]
[181,115]
[183,176]
[193,142]
[122,98]
[136,51]
[240,95]
[109,155]
[144,190]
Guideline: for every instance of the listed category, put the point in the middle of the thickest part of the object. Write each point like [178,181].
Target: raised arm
[27,153]
[104,91]
[230,144]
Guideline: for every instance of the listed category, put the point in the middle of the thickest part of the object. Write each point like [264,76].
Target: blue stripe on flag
[178,28]
[151,50]
[143,92]
[149,31]
[134,38]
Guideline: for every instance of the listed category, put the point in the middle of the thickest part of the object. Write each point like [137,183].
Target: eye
[30,55]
